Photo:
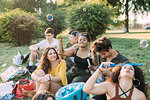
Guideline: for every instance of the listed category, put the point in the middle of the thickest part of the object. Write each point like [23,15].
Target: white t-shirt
[45,43]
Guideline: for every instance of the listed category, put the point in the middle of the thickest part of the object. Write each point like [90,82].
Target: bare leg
[28,93]
[54,87]
[40,73]
[34,55]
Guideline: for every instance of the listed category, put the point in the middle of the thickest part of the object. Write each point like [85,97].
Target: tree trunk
[127,16]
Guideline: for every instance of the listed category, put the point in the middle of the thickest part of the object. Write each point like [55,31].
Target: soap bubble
[49,17]
[143,44]
[115,20]
[84,9]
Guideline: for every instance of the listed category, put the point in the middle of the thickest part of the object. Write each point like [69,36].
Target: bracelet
[38,48]
[49,78]
[99,71]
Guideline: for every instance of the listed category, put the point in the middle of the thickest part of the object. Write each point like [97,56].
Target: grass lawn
[127,47]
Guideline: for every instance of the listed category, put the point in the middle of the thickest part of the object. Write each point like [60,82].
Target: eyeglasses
[84,34]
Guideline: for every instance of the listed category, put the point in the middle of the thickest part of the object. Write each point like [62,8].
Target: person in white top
[37,49]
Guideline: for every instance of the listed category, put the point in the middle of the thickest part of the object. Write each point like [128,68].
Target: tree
[27,5]
[19,27]
[59,17]
[125,6]
[91,18]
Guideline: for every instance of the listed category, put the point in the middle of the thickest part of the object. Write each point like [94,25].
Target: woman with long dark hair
[51,73]
[79,72]
[127,83]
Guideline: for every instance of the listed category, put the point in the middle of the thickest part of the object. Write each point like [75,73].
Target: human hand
[105,70]
[91,68]
[33,48]
[46,78]
[58,36]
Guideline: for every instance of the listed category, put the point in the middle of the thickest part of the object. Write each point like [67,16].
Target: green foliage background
[19,27]
[91,18]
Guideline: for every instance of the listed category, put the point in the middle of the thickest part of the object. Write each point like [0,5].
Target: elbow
[33,76]
[86,90]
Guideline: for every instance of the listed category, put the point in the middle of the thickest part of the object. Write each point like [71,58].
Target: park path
[132,35]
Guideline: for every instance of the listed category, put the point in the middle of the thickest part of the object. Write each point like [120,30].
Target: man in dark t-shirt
[106,53]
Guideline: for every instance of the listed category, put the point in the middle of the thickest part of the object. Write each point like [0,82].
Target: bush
[91,18]
[58,24]
[19,27]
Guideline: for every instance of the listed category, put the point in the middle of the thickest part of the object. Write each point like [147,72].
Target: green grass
[127,47]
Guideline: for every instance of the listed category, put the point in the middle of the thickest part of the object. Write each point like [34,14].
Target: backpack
[25,84]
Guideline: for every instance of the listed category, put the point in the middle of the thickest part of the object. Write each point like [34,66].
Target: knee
[33,53]
[40,73]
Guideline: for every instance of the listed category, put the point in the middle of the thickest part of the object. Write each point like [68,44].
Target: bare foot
[28,93]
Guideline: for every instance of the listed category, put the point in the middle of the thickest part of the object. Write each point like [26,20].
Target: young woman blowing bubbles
[121,86]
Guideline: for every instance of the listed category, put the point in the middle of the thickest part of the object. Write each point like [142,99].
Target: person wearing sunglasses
[79,72]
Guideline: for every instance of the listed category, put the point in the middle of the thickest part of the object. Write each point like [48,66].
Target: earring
[118,79]
[136,82]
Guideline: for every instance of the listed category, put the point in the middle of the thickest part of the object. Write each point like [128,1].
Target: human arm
[91,88]
[94,63]
[35,77]
[34,47]
[67,52]
[39,75]
[58,74]
[62,72]
[138,95]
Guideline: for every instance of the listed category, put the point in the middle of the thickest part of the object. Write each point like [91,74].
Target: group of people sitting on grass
[58,67]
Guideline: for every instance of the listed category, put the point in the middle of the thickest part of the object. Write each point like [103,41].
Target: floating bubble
[49,17]
[124,29]
[4,65]
[84,9]
[143,44]
[115,20]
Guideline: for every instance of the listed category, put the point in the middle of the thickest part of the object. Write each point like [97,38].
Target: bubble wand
[133,64]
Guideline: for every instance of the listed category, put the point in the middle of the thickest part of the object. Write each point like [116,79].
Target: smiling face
[127,71]
[83,42]
[51,55]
